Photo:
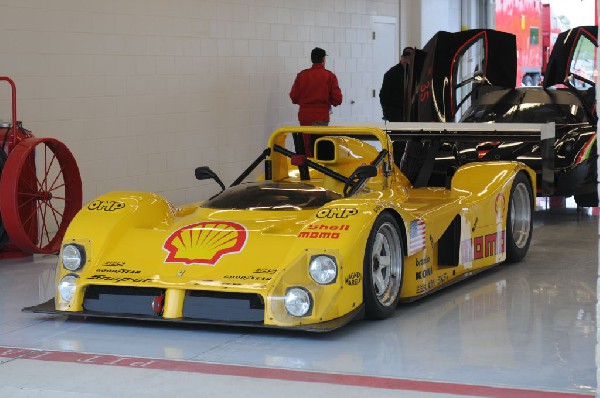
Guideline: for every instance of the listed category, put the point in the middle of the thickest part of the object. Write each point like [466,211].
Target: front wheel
[519,223]
[383,265]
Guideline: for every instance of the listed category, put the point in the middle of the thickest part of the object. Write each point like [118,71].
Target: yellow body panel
[136,240]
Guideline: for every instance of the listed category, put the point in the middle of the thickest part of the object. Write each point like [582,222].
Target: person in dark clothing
[391,95]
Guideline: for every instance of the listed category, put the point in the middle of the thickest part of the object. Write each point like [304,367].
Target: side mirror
[205,173]
[366,171]
[359,178]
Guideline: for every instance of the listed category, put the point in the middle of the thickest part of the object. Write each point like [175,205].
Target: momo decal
[483,246]
[205,242]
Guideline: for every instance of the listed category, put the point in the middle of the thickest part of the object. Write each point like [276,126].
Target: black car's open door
[573,57]
[572,63]
[454,64]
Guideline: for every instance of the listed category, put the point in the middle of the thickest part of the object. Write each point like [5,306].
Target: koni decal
[424,273]
[205,243]
[483,246]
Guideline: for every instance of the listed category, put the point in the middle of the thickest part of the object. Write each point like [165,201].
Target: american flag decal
[417,237]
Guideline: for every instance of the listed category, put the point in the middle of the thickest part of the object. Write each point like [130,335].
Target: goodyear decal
[205,243]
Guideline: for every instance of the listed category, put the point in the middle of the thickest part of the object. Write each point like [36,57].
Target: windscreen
[268,195]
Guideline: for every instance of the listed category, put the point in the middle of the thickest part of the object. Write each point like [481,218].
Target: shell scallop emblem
[205,242]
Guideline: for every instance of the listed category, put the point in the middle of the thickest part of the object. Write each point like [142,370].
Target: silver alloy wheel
[520,215]
[386,264]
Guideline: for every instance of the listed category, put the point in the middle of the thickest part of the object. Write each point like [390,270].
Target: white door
[385,55]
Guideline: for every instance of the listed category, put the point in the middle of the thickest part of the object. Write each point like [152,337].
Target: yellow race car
[315,242]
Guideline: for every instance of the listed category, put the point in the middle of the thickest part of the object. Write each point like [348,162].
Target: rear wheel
[383,266]
[519,223]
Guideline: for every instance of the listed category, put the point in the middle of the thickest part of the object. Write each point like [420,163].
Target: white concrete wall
[421,19]
[143,91]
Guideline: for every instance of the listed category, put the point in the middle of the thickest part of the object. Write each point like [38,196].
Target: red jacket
[315,90]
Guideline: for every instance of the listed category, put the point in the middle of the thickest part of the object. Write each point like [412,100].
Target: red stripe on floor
[281,374]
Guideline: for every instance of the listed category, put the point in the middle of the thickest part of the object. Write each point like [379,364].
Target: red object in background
[523,19]
[40,189]
[535,28]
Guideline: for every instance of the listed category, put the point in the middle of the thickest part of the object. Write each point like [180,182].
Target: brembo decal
[205,242]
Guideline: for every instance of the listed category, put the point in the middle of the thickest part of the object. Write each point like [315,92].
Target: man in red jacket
[315,90]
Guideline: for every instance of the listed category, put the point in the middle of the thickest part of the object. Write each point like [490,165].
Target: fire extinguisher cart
[40,189]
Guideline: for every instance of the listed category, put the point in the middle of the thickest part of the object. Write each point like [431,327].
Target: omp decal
[422,261]
[416,236]
[205,242]
[424,273]
[323,234]
[105,205]
[483,246]
[336,213]
[353,279]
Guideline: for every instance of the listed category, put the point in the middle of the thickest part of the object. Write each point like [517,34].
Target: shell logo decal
[205,242]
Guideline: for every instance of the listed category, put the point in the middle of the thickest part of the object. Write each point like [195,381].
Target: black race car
[470,76]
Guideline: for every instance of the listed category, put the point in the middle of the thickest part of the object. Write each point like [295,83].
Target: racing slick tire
[383,268]
[519,222]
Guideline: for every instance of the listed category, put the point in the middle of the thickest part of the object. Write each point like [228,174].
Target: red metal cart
[40,189]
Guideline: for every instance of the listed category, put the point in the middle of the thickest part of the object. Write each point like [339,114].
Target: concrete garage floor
[522,330]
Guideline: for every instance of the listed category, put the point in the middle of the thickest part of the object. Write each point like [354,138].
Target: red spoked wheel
[40,193]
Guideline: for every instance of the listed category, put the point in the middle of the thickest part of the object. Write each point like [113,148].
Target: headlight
[66,287]
[297,301]
[73,256]
[323,269]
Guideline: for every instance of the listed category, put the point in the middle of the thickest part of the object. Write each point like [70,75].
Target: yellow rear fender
[468,178]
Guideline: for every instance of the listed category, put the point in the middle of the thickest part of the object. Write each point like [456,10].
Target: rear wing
[542,134]
[470,132]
